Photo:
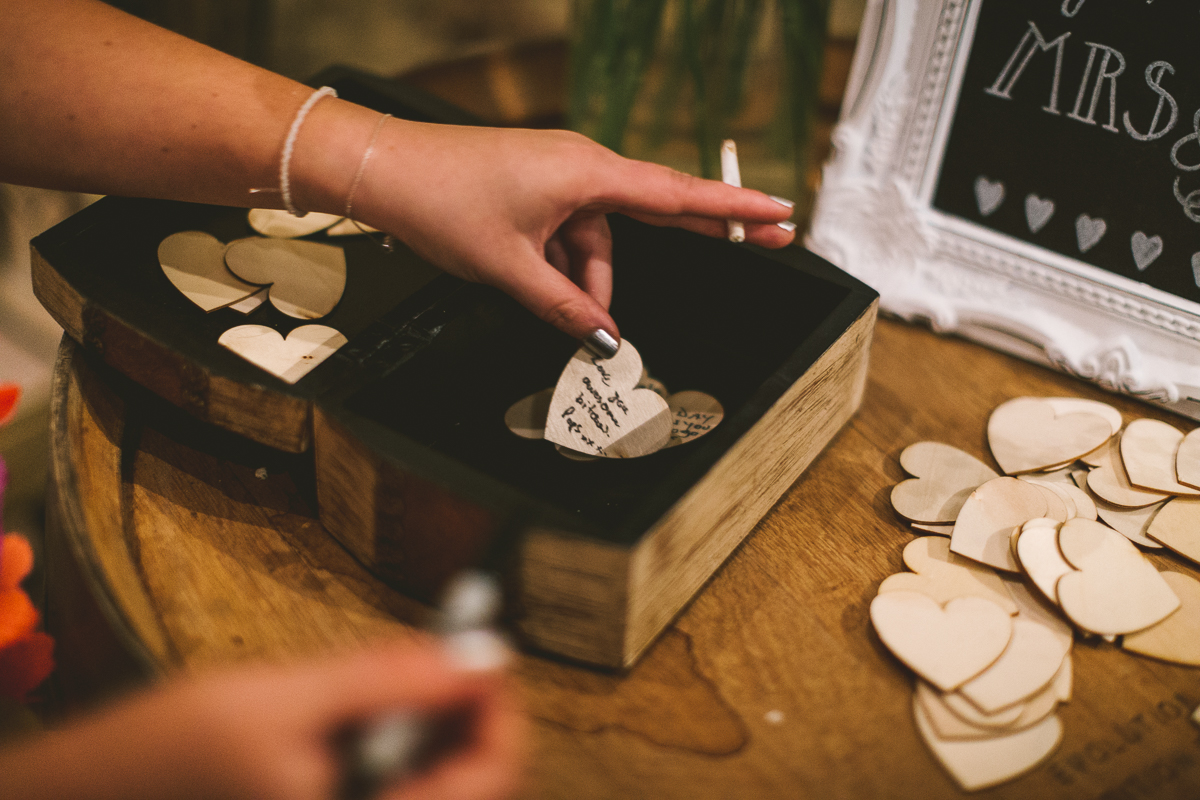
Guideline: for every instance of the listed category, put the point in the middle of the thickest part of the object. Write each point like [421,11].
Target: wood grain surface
[771,684]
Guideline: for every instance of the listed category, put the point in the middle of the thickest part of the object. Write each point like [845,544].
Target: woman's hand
[272,732]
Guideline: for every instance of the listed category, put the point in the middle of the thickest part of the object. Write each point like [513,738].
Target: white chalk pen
[393,747]
[732,175]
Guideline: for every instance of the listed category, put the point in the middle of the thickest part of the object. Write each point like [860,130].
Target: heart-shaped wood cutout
[944,477]
[1109,482]
[280,224]
[1038,212]
[1078,405]
[1016,717]
[988,194]
[1177,525]
[948,725]
[194,262]
[1089,232]
[1025,434]
[1059,505]
[978,764]
[1026,667]
[1148,451]
[1132,523]
[1176,638]
[288,359]
[306,278]
[1116,590]
[943,576]
[1040,559]
[527,417]
[946,646]
[693,414]
[1187,460]
[988,517]
[597,410]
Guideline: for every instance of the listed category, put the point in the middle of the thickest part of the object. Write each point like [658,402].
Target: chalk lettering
[1190,203]
[1008,76]
[1067,11]
[1194,136]
[1154,76]
[1103,75]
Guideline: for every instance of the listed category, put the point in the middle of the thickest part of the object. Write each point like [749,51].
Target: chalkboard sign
[1027,173]
[1077,130]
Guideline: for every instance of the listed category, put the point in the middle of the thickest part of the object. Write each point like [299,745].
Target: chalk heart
[1089,232]
[1026,434]
[984,526]
[1145,249]
[306,278]
[597,409]
[1115,590]
[988,194]
[1038,212]
[288,359]
[946,646]
[945,477]
[1176,638]
[1196,267]
[194,262]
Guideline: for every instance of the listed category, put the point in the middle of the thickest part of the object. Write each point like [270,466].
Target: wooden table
[170,550]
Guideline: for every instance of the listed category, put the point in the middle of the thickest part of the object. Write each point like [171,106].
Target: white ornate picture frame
[876,216]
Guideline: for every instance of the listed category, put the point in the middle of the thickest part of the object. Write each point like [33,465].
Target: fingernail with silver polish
[600,344]
[788,226]
[783,201]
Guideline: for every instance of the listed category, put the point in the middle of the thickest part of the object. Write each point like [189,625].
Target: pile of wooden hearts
[303,279]
[612,408]
[1078,496]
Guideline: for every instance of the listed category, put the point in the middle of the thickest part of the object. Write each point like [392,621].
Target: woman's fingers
[553,297]
[766,235]
[587,242]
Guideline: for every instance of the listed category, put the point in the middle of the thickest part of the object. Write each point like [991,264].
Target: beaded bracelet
[289,144]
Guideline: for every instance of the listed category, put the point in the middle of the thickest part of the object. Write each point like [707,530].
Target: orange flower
[26,654]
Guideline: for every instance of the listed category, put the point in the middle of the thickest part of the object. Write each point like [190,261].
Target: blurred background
[505,60]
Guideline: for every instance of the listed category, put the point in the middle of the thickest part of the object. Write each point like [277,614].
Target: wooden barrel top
[174,546]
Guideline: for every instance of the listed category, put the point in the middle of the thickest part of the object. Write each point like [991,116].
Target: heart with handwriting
[597,408]
[988,194]
[288,359]
[1146,249]
[1089,232]
[307,279]
[1038,212]
[194,263]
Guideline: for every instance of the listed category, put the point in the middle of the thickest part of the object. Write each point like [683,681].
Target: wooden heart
[1027,666]
[1148,452]
[1176,638]
[693,414]
[1187,460]
[1041,560]
[944,477]
[943,576]
[988,517]
[1132,523]
[597,410]
[1177,525]
[1115,590]
[949,725]
[288,359]
[1059,505]
[1078,405]
[1025,434]
[280,224]
[978,764]
[194,262]
[306,278]
[1109,482]
[1016,717]
[527,417]
[946,646]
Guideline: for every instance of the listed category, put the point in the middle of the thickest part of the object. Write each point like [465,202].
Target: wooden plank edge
[265,416]
[687,546]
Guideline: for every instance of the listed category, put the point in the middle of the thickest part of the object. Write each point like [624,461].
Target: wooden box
[416,472]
